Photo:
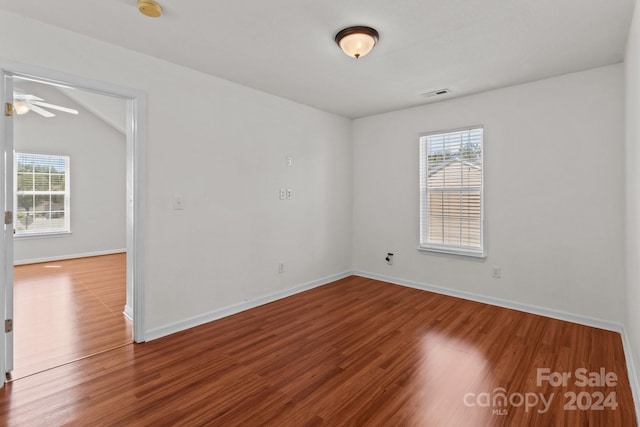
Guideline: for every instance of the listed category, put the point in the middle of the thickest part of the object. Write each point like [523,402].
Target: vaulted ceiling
[287,48]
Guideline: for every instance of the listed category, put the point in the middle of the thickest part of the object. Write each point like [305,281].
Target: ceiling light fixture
[21,107]
[149,8]
[357,41]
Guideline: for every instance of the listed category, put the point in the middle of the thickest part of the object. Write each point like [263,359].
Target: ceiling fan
[24,102]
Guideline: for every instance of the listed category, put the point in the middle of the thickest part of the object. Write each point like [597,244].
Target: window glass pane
[58,164]
[24,182]
[41,182]
[25,163]
[451,191]
[42,167]
[42,204]
[57,202]
[57,182]
[25,220]
[25,203]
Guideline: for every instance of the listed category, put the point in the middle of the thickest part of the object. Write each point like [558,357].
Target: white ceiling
[287,48]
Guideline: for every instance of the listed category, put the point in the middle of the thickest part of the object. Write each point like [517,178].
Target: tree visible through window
[41,204]
[451,192]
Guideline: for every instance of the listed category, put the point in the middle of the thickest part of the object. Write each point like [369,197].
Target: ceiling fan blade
[55,107]
[41,111]
[26,97]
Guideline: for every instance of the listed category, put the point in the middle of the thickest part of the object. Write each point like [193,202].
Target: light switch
[178,202]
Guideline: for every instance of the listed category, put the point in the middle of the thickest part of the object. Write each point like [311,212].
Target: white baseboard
[527,308]
[70,256]
[128,312]
[631,372]
[237,308]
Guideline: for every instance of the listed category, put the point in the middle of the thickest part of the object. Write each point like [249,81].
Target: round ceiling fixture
[357,41]
[149,8]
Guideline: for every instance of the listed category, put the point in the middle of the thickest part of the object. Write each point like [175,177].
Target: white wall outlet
[283,194]
[289,194]
[281,267]
[495,271]
[289,161]
[178,202]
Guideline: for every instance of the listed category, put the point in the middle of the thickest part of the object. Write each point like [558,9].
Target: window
[41,203]
[451,192]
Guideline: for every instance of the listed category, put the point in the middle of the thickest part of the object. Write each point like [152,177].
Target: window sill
[41,235]
[451,251]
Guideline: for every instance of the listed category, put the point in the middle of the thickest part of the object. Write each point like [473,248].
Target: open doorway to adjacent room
[70,225]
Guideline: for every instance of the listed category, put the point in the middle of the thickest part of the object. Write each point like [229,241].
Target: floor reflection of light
[51,298]
[52,266]
[450,368]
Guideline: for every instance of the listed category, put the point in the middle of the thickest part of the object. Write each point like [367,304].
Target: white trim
[128,312]
[47,158]
[136,134]
[631,371]
[136,172]
[6,241]
[42,235]
[449,250]
[191,322]
[527,308]
[70,256]
[424,216]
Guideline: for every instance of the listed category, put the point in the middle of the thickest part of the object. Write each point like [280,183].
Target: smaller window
[451,192]
[41,189]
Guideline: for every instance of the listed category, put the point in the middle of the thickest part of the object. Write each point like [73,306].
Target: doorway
[133,195]
[69,204]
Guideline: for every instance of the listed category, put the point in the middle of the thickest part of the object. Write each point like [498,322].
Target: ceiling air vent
[439,92]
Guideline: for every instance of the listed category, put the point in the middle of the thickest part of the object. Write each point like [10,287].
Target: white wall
[223,148]
[554,194]
[98,175]
[632,156]
[556,141]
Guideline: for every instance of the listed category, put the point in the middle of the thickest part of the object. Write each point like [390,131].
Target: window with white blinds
[451,192]
[41,203]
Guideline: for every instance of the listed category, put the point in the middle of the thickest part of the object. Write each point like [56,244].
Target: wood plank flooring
[355,352]
[66,310]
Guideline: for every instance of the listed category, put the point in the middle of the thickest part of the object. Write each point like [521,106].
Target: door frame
[136,134]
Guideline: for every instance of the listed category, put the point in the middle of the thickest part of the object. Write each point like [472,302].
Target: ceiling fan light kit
[357,41]
[24,102]
[21,108]
[149,8]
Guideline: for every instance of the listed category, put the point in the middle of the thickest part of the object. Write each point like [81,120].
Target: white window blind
[41,204]
[451,192]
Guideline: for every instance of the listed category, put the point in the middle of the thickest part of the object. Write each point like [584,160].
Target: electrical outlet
[289,161]
[495,271]
[281,267]
[283,194]
[289,194]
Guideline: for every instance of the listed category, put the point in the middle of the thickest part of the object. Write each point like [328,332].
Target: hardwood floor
[355,352]
[66,310]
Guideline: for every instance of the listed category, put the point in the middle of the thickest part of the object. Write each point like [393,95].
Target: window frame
[66,230]
[423,210]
